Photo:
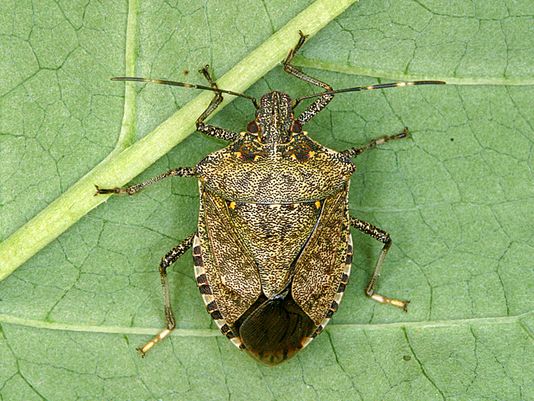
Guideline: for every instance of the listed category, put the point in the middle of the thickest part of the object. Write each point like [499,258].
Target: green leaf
[457,198]
[125,162]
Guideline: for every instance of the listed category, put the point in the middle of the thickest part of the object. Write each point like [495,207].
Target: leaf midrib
[179,332]
[123,165]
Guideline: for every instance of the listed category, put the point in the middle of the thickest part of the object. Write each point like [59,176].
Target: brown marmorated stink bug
[273,248]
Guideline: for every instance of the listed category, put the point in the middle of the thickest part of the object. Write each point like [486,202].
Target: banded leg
[212,130]
[353,152]
[323,100]
[175,172]
[383,237]
[172,256]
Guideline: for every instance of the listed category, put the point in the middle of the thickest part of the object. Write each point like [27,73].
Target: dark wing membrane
[321,265]
[276,329]
[230,270]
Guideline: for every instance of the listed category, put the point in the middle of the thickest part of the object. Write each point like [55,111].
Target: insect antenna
[370,87]
[185,85]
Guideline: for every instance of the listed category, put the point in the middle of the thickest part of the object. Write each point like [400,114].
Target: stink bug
[273,248]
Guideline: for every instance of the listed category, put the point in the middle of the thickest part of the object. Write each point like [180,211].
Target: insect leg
[175,172]
[383,237]
[172,256]
[323,100]
[212,130]
[353,152]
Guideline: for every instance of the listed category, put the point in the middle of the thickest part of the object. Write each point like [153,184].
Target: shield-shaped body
[273,250]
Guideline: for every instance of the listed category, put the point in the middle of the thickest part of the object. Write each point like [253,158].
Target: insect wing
[324,265]
[231,272]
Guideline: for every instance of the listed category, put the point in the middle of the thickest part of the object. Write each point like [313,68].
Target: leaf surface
[457,199]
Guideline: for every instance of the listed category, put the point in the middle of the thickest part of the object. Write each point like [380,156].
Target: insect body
[273,248]
[272,205]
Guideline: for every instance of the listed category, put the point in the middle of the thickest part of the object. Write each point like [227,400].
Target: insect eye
[252,126]
[296,127]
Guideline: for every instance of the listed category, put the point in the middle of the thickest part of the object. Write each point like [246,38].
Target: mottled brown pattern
[273,218]
[322,263]
[231,272]
[273,118]
[273,250]
[209,299]
[272,221]
[274,235]
[275,179]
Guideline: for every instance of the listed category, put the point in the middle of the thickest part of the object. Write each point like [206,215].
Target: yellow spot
[232,205]
[401,83]
[369,87]
[257,157]
[317,204]
[311,153]
[238,154]
[409,83]
[293,156]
